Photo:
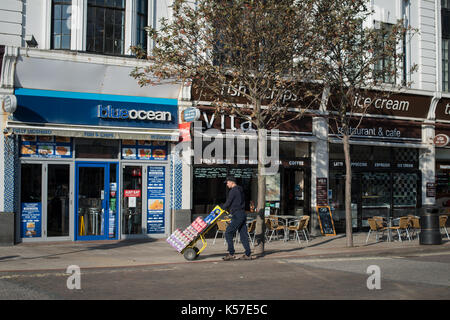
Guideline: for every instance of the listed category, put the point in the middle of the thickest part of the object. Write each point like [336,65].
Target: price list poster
[156,196]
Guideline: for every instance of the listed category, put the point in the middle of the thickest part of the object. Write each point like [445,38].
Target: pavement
[34,256]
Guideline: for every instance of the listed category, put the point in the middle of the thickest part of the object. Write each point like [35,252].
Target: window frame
[384,29]
[141,17]
[445,43]
[61,21]
[99,8]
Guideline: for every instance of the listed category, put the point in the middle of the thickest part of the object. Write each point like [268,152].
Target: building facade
[398,167]
[87,153]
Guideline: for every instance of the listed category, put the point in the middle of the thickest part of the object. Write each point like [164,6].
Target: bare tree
[248,45]
[355,59]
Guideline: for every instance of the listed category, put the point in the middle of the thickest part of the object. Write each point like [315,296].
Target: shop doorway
[96,201]
[294,195]
[45,197]
[133,201]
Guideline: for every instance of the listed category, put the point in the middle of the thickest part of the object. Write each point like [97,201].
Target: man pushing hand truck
[235,205]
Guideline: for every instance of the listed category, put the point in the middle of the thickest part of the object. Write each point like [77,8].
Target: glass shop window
[96,148]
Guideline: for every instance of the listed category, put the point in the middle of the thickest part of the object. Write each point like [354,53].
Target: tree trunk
[260,225]
[348,190]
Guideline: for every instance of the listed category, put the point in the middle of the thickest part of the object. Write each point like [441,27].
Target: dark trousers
[238,223]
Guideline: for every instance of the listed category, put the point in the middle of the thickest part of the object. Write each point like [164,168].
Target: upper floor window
[142,22]
[384,68]
[61,24]
[106,26]
[445,23]
[445,62]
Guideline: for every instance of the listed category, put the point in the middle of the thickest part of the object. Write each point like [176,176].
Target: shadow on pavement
[8,257]
[120,244]
[89,246]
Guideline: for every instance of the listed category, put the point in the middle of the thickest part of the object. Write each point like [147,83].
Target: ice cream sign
[109,112]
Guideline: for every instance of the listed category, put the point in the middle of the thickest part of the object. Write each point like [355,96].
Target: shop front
[287,190]
[386,182]
[389,162]
[442,154]
[92,166]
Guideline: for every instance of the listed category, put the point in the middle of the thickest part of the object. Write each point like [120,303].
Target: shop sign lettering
[447,109]
[245,126]
[108,112]
[405,165]
[238,91]
[132,193]
[380,103]
[372,132]
[382,165]
[373,165]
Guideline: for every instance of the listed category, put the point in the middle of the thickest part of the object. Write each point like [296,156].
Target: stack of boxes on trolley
[179,240]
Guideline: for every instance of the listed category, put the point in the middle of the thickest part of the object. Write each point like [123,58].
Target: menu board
[244,173]
[326,220]
[31,219]
[210,172]
[156,197]
[322,191]
[144,150]
[45,147]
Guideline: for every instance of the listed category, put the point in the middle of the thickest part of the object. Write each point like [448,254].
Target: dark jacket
[235,200]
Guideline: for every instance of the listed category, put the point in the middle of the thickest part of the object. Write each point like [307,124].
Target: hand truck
[191,252]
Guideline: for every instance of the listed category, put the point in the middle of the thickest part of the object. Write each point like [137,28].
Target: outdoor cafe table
[286,219]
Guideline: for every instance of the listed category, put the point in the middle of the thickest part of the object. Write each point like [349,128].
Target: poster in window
[156,196]
[45,147]
[31,219]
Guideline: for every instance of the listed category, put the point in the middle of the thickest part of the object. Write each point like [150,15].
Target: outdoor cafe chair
[273,225]
[403,225]
[414,225]
[251,230]
[299,227]
[305,228]
[375,227]
[381,222]
[221,227]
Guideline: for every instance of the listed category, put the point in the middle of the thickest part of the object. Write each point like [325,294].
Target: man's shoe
[245,257]
[229,257]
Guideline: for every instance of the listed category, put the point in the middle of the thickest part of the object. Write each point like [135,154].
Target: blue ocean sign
[108,112]
[105,110]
